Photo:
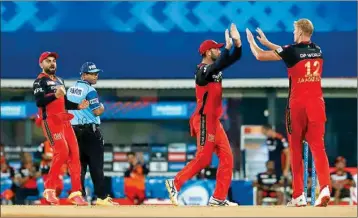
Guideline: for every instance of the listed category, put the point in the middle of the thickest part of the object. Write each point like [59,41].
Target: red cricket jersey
[44,90]
[304,62]
[208,83]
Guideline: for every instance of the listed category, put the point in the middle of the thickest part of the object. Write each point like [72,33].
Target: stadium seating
[6,184]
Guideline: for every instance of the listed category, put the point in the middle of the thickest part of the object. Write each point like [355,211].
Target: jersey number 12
[316,66]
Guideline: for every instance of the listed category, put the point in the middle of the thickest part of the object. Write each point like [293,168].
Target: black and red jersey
[44,90]
[305,63]
[208,80]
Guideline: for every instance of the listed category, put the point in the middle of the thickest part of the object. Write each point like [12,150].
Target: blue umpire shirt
[77,93]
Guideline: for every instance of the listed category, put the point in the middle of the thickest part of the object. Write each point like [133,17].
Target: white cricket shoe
[323,198]
[220,203]
[298,202]
[173,192]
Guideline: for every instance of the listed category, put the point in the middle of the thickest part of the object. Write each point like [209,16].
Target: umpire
[86,126]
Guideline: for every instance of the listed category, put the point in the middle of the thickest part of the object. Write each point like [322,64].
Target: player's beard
[213,56]
[51,70]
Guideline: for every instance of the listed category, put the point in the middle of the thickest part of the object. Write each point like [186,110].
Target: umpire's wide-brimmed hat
[90,67]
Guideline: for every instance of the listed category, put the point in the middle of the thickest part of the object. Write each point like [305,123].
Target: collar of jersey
[83,81]
[46,75]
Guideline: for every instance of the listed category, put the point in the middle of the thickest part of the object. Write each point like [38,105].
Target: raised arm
[225,59]
[260,54]
[235,35]
[264,41]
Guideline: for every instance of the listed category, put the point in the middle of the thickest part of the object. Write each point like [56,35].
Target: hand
[228,40]
[235,35]
[262,38]
[83,105]
[249,35]
[285,173]
[60,91]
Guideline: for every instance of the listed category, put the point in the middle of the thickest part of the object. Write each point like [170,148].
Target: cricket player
[305,116]
[50,96]
[205,124]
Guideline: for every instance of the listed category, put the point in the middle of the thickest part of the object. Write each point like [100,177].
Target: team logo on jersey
[38,90]
[218,78]
[211,137]
[57,136]
[51,83]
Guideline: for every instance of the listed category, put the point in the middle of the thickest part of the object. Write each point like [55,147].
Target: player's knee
[227,162]
[206,162]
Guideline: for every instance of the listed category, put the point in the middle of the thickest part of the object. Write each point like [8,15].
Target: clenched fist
[60,91]
[83,105]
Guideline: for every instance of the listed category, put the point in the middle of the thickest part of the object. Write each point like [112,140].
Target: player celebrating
[205,123]
[306,117]
[52,102]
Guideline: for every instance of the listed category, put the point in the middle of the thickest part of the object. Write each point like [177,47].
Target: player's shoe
[298,202]
[221,203]
[323,198]
[106,202]
[173,193]
[50,196]
[76,198]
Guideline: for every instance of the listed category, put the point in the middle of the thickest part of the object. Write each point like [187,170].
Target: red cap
[209,44]
[47,54]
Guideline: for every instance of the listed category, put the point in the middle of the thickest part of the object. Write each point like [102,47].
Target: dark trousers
[22,193]
[90,141]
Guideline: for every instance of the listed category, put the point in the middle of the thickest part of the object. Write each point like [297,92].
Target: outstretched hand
[235,34]
[249,35]
[261,37]
[228,40]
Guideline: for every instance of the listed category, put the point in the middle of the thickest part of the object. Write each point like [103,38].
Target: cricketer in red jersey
[205,122]
[305,116]
[50,96]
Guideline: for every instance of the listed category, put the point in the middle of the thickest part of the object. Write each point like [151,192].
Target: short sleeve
[93,99]
[287,53]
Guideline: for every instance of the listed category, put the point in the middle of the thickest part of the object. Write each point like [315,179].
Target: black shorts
[345,193]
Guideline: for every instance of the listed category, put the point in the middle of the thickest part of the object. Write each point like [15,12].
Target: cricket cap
[90,67]
[47,54]
[209,44]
